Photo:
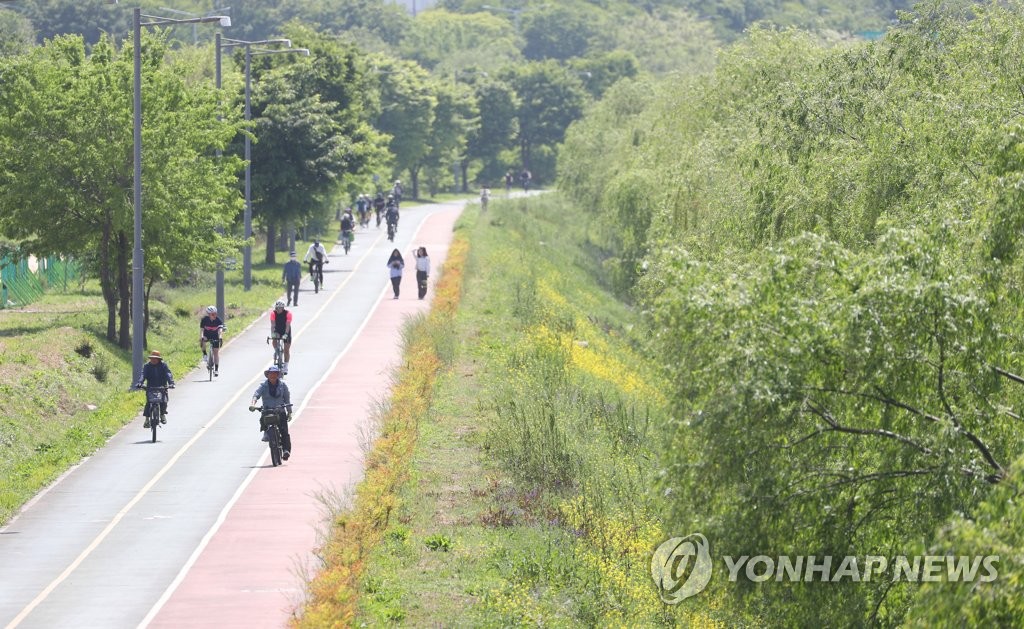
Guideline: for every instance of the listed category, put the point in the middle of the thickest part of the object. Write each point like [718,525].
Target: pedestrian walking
[292,275]
[395,265]
[422,270]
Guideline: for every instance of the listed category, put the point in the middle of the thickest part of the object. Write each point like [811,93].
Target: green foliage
[561,31]
[448,41]
[65,186]
[377,24]
[438,542]
[16,33]
[408,111]
[550,97]
[826,241]
[994,530]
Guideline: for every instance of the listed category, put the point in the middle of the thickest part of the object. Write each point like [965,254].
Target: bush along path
[512,486]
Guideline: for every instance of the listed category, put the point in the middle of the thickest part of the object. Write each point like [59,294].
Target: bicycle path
[233,582]
[197,529]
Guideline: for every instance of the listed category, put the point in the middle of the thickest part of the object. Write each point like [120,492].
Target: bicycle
[316,274]
[346,240]
[208,356]
[154,398]
[269,418]
[392,229]
[278,343]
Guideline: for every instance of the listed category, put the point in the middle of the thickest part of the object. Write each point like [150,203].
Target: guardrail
[20,285]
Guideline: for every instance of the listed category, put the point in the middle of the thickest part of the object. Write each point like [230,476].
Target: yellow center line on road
[166,468]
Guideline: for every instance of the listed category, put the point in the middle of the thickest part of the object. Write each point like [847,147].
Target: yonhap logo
[681,567]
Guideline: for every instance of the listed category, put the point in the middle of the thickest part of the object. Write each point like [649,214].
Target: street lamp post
[221,44]
[195,32]
[249,52]
[138,262]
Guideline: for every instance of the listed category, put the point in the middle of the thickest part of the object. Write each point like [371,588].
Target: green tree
[373,24]
[455,116]
[495,130]
[445,42]
[550,97]
[16,33]
[407,114]
[312,129]
[66,171]
[561,31]
[88,18]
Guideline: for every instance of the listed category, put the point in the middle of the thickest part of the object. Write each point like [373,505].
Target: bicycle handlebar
[273,408]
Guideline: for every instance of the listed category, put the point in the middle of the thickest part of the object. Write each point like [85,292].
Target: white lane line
[222,517]
[159,475]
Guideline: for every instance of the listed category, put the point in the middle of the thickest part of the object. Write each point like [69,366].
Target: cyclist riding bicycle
[348,224]
[156,373]
[210,328]
[275,393]
[378,206]
[396,192]
[316,256]
[391,216]
[281,328]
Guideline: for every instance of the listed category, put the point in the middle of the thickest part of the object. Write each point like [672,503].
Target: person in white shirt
[316,255]
[422,270]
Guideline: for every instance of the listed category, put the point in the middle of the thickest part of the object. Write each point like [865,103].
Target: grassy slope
[528,499]
[58,405]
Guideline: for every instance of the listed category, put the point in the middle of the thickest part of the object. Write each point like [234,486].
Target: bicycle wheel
[154,420]
[274,438]
[209,365]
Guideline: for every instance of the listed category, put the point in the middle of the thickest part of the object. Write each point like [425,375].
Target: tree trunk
[145,314]
[414,179]
[464,169]
[107,283]
[124,338]
[524,149]
[271,242]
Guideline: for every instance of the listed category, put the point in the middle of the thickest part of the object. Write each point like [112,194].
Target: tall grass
[537,458]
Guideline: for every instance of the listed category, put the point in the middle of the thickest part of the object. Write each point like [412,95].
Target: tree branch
[824,414]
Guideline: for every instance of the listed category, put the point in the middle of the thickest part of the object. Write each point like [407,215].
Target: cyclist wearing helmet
[274,393]
[281,328]
[396,192]
[316,255]
[210,328]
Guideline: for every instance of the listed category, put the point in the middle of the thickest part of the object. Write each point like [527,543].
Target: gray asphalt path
[101,545]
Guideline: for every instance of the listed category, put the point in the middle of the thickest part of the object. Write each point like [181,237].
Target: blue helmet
[272,369]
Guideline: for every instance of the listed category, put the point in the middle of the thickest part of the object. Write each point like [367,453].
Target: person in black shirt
[210,329]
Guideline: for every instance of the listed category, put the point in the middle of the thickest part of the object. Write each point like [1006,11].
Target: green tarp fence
[19,285]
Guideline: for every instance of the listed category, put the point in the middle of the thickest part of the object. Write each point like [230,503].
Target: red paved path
[251,572]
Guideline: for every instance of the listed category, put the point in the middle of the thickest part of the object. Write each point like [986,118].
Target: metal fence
[20,285]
